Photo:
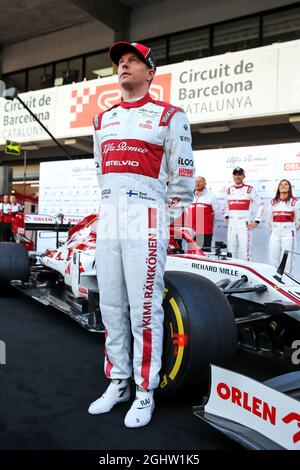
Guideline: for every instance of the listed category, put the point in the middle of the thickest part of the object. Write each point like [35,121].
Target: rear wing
[59,223]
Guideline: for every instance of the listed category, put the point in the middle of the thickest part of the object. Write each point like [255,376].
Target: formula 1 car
[213,303]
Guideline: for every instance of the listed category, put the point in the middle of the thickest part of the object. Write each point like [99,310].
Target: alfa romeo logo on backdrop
[91,99]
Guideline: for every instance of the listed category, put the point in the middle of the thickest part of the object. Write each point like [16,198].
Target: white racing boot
[141,410]
[118,391]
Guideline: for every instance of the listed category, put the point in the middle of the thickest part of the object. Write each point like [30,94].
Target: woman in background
[285,221]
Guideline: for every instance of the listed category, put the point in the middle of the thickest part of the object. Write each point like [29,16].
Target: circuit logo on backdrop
[2,353]
[89,100]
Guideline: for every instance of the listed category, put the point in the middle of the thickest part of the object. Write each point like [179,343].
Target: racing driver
[285,222]
[139,145]
[238,207]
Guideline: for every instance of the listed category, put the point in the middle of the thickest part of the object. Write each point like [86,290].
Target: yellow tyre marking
[179,357]
[163,382]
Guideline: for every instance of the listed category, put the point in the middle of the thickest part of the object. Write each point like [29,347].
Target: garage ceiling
[24,19]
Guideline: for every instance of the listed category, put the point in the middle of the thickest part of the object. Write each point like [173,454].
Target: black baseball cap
[238,169]
[143,52]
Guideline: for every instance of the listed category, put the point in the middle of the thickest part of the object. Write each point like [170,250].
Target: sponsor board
[243,400]
[251,83]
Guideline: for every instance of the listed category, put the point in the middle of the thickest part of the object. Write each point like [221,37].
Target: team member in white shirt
[15,208]
[6,219]
[240,197]
[202,213]
[285,221]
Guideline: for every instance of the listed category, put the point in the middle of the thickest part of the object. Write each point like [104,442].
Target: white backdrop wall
[66,187]
[264,166]
[69,187]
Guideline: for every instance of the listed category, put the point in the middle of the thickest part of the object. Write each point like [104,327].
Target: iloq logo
[185,161]
[89,100]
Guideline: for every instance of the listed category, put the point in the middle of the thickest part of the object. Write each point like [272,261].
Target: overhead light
[213,129]
[105,72]
[295,121]
[19,183]
[58,81]
[34,185]
[294,118]
[70,141]
[30,147]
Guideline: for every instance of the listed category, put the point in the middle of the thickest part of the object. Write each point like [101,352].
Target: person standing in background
[16,209]
[202,214]
[239,200]
[284,221]
[6,219]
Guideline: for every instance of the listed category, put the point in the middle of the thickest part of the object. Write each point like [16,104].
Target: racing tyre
[199,329]
[14,263]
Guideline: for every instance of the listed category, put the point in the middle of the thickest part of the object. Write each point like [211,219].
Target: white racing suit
[238,210]
[284,220]
[139,146]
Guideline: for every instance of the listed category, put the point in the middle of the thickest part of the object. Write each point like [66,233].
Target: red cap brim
[119,48]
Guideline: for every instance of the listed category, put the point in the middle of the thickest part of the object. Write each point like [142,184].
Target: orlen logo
[146,125]
[89,100]
[175,201]
[252,404]
[292,166]
[256,406]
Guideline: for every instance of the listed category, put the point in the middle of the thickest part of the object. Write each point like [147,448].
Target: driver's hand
[253,225]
